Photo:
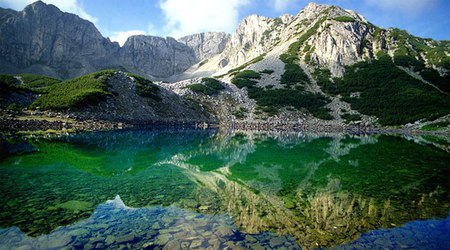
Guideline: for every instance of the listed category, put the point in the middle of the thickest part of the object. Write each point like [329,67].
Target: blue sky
[118,19]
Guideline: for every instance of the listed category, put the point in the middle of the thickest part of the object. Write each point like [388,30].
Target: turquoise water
[226,189]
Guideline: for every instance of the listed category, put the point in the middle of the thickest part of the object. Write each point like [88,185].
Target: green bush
[267,71]
[38,81]
[209,86]
[345,19]
[390,94]
[432,75]
[75,93]
[146,88]
[273,99]
[245,78]
[351,117]
[245,65]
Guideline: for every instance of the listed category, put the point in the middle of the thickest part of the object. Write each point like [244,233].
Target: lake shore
[19,122]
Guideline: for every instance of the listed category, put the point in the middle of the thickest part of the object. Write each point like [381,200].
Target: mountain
[206,45]
[325,65]
[43,40]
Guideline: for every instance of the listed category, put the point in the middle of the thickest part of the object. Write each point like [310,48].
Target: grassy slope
[389,93]
[74,93]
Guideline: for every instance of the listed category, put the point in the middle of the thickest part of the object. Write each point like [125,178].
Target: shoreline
[40,125]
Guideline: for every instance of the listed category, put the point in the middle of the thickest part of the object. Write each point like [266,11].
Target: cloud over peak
[194,16]
[71,6]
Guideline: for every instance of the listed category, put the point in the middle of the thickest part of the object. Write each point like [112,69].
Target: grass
[32,81]
[75,93]
[208,86]
[389,93]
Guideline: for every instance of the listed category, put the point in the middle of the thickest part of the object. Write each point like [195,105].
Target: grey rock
[206,45]
[156,56]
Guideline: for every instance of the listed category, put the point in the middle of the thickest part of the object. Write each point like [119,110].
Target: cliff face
[42,39]
[206,45]
[156,56]
[328,36]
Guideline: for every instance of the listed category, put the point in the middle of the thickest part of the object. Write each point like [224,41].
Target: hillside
[106,95]
[325,66]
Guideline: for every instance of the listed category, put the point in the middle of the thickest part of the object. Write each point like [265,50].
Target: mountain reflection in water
[323,190]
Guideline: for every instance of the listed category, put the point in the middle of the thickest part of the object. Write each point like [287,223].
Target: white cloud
[71,6]
[403,5]
[194,16]
[122,36]
[282,5]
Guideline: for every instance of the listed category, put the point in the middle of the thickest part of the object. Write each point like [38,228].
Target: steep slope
[156,56]
[105,95]
[206,45]
[295,66]
[42,39]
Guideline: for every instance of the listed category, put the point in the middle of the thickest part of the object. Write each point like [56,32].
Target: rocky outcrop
[156,56]
[126,105]
[42,39]
[206,45]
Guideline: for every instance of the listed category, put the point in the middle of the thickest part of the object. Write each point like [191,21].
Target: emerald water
[200,189]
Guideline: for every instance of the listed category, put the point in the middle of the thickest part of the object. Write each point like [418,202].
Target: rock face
[42,39]
[206,45]
[329,37]
[156,56]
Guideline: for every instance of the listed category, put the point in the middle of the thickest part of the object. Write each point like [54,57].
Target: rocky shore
[16,122]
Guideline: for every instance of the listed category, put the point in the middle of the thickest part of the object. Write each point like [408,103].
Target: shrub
[75,93]
[146,88]
[209,86]
[351,117]
[344,19]
[267,71]
[390,93]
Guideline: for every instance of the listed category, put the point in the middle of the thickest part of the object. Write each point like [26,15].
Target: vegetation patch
[389,93]
[37,82]
[146,88]
[240,113]
[245,65]
[344,19]
[75,93]
[410,48]
[436,126]
[432,76]
[208,86]
[246,78]
[351,117]
[267,71]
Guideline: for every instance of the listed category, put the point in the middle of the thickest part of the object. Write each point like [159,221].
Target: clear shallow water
[323,191]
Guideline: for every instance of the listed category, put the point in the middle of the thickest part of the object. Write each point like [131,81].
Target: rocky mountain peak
[207,44]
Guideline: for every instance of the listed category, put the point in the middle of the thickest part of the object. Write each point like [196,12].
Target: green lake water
[227,189]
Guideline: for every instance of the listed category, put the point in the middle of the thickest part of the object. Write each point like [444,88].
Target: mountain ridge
[301,68]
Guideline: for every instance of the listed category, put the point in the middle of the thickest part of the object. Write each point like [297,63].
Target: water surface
[290,190]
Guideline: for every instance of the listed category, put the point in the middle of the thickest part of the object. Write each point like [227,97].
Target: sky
[119,19]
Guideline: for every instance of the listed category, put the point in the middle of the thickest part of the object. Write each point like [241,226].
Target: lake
[199,189]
